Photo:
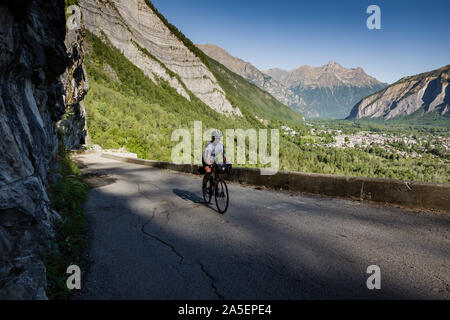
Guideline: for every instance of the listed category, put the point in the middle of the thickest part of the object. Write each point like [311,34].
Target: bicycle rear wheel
[221,196]
[207,191]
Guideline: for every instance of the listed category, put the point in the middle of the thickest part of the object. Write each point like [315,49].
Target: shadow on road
[162,249]
[190,196]
[187,195]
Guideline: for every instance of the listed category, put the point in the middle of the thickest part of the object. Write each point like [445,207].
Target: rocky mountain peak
[329,75]
[330,90]
[332,66]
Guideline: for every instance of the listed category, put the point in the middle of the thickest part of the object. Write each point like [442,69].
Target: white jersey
[212,151]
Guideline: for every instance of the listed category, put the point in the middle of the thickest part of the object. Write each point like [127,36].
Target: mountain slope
[127,108]
[251,98]
[145,38]
[276,73]
[427,92]
[252,74]
[330,90]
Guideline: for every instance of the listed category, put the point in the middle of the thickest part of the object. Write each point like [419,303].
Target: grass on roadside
[67,196]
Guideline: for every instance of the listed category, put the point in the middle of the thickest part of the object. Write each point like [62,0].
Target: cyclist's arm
[207,155]
[224,155]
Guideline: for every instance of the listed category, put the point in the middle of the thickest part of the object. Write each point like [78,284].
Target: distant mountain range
[330,90]
[428,92]
[233,86]
[252,74]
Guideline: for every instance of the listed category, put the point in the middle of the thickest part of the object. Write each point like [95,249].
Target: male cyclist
[211,153]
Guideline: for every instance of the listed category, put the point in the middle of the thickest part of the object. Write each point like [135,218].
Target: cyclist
[211,153]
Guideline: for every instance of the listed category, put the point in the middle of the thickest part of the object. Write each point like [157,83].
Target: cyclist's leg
[218,186]
[207,175]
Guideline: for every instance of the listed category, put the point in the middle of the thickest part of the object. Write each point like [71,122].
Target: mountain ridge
[252,74]
[147,39]
[146,83]
[428,90]
[331,89]
[316,76]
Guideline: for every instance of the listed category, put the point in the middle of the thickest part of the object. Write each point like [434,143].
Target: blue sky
[414,35]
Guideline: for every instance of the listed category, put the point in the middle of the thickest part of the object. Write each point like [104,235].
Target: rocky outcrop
[73,127]
[330,90]
[429,91]
[252,74]
[276,73]
[33,57]
[138,32]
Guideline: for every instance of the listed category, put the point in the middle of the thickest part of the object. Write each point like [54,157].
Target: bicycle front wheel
[207,191]
[221,196]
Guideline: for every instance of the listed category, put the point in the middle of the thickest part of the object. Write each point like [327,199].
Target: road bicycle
[217,186]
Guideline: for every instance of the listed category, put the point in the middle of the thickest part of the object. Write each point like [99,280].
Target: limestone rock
[73,126]
[429,90]
[143,38]
[33,56]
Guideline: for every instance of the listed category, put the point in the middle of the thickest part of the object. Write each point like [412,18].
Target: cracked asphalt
[153,238]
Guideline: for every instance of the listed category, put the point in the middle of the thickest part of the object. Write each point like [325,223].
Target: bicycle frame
[214,181]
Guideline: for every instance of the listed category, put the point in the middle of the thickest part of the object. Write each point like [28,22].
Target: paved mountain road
[153,238]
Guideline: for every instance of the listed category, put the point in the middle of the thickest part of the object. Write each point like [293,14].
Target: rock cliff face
[138,32]
[252,74]
[330,90]
[73,127]
[429,90]
[33,57]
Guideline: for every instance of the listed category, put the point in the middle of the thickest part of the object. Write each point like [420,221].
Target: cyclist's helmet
[216,134]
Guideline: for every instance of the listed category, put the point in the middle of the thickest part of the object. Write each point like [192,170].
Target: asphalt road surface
[153,238]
